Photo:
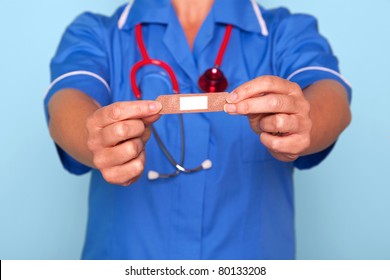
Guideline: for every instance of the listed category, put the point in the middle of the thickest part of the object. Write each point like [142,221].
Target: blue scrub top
[242,208]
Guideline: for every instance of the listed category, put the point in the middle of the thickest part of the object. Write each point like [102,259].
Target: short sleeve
[80,63]
[303,56]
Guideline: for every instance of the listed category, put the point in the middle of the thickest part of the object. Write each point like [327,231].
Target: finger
[284,157]
[146,135]
[127,173]
[270,103]
[279,123]
[142,158]
[118,132]
[119,154]
[263,85]
[120,111]
[150,120]
[291,145]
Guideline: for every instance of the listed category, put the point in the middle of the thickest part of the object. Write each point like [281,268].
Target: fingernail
[230,108]
[232,97]
[155,106]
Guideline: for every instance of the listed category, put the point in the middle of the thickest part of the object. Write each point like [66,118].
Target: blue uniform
[242,208]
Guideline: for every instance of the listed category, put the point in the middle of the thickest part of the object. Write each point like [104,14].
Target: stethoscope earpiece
[154,175]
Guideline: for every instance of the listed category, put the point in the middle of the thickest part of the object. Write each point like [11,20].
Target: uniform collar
[144,11]
[244,14]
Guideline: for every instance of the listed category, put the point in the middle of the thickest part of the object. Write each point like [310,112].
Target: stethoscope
[213,80]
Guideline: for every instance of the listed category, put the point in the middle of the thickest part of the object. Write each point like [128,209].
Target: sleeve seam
[319,68]
[76,73]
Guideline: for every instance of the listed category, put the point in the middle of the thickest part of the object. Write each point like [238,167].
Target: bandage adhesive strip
[192,102]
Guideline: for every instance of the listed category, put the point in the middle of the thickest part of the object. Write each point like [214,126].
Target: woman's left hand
[278,111]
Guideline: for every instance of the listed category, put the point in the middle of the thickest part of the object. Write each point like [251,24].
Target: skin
[111,138]
[190,21]
[290,122]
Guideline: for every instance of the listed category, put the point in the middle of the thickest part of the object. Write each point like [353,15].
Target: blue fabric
[242,208]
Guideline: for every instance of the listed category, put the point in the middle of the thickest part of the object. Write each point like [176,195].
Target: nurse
[287,106]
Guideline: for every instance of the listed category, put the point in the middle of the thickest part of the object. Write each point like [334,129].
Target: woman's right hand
[117,135]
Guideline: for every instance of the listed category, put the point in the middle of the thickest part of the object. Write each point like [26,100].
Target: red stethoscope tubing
[222,49]
[146,60]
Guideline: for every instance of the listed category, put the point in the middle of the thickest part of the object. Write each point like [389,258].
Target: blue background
[342,206]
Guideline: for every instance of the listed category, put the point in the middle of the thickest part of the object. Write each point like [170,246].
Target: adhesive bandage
[192,102]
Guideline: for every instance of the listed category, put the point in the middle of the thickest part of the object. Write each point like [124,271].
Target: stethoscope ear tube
[153,175]
[209,83]
[165,150]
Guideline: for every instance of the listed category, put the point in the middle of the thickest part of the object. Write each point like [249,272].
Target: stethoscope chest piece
[213,80]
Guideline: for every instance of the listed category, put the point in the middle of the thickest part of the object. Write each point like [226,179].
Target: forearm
[329,112]
[69,110]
